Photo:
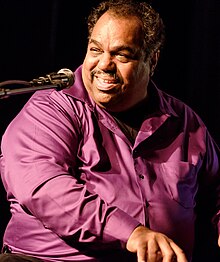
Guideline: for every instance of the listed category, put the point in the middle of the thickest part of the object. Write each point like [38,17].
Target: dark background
[38,37]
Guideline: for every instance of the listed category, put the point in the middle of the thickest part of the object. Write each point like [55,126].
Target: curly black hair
[152,24]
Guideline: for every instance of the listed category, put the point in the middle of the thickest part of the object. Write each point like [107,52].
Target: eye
[95,51]
[122,57]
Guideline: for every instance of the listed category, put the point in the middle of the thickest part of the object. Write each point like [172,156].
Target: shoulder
[174,105]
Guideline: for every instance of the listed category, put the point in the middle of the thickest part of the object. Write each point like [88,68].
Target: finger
[219,241]
[166,253]
[141,254]
[153,252]
[180,256]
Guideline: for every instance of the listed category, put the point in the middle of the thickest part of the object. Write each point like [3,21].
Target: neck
[134,116]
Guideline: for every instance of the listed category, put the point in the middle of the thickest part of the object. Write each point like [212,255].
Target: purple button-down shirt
[78,187]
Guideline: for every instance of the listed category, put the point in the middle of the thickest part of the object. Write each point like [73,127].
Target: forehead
[116,29]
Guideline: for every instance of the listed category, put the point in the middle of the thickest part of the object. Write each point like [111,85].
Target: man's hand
[152,246]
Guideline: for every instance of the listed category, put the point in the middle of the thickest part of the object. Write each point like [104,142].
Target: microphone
[62,79]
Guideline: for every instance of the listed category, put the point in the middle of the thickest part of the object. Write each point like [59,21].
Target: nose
[106,62]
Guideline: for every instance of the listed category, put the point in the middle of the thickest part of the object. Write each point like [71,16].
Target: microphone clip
[62,79]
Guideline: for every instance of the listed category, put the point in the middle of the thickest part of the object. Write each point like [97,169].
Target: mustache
[96,72]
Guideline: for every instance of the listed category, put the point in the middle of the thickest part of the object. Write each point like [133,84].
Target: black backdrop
[42,36]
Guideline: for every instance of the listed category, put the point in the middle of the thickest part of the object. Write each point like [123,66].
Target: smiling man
[116,70]
[112,168]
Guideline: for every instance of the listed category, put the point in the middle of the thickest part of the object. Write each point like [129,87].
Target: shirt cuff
[120,226]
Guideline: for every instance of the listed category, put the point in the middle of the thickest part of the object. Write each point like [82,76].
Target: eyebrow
[116,48]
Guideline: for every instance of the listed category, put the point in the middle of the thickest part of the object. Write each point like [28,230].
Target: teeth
[107,81]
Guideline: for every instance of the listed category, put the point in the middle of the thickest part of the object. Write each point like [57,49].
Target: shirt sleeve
[39,149]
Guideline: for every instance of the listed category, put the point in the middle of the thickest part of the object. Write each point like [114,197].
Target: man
[112,168]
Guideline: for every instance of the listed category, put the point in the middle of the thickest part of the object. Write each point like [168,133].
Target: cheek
[136,81]
[87,67]
[89,63]
[135,72]
[86,75]
[131,77]
[143,70]
[142,75]
[127,73]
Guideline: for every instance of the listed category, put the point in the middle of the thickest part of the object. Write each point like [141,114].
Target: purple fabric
[78,187]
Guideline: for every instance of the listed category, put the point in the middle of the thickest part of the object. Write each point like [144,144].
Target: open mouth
[106,83]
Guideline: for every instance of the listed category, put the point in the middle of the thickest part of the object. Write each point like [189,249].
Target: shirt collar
[78,90]
[162,100]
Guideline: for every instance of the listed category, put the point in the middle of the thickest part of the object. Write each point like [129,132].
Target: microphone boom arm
[6,92]
[62,79]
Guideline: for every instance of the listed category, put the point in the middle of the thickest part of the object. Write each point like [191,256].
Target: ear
[153,61]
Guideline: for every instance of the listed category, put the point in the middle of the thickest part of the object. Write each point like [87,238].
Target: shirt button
[141,176]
